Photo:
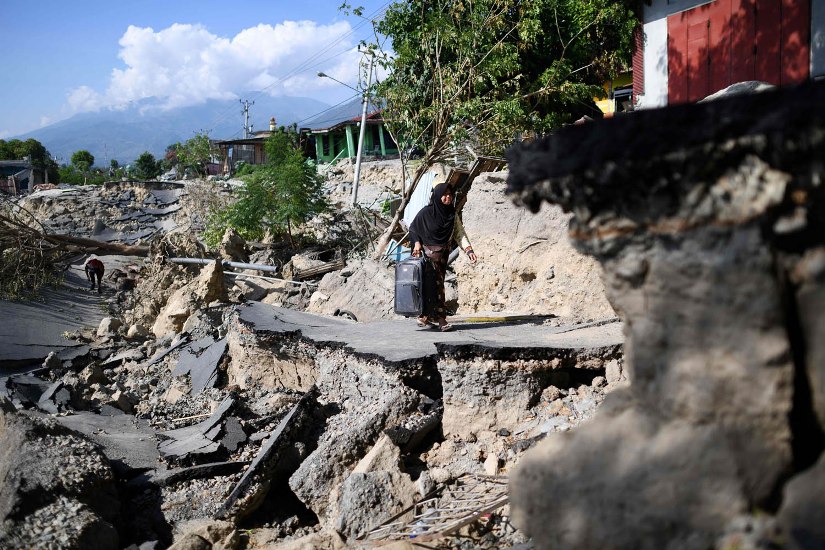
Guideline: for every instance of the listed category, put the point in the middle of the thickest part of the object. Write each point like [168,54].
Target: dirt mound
[526,262]
[526,265]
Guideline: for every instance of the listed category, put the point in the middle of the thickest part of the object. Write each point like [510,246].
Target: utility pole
[365,100]
[246,127]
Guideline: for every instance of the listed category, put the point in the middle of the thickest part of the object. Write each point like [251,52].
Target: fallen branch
[92,246]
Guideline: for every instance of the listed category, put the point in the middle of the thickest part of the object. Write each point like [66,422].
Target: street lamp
[364,101]
[325,75]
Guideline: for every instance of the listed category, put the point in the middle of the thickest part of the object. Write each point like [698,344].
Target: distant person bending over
[94,269]
[432,233]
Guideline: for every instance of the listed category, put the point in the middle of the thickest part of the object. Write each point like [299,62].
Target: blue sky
[63,57]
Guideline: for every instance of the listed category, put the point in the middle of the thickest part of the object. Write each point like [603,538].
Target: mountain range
[124,134]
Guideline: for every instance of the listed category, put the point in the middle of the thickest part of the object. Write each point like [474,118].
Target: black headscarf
[433,225]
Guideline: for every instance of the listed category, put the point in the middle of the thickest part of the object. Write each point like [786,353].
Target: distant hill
[125,134]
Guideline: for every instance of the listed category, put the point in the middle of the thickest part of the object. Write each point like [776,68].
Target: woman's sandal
[423,324]
[445,328]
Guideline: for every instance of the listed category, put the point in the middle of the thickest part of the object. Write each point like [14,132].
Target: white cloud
[45,121]
[186,64]
[84,99]
[5,133]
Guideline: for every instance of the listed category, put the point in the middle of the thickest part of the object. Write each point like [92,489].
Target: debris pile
[226,413]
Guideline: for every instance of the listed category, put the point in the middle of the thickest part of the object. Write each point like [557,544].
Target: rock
[367,292]
[613,371]
[123,401]
[93,374]
[717,303]
[206,288]
[257,361]
[206,534]
[173,394]
[550,393]
[52,361]
[491,465]
[191,541]
[233,247]
[803,500]
[137,332]
[598,382]
[683,478]
[384,455]
[325,540]
[250,290]
[108,326]
[373,398]
[47,471]
[425,484]
[364,493]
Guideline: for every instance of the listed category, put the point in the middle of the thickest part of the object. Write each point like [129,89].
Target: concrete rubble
[708,223]
[212,419]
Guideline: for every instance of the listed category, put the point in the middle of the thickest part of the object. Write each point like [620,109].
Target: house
[336,132]
[617,94]
[249,149]
[689,49]
[19,176]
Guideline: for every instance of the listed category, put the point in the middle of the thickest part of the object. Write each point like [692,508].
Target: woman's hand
[471,255]
[417,250]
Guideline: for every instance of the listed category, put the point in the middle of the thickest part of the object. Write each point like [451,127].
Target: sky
[63,57]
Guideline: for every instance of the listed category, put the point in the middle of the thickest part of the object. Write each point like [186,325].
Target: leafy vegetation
[194,154]
[480,73]
[276,197]
[146,167]
[32,149]
[487,69]
[27,262]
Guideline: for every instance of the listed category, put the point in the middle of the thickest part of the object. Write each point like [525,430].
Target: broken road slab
[401,340]
[201,438]
[200,361]
[36,327]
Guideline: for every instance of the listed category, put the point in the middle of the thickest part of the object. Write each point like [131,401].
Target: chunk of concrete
[275,461]
[682,478]
[208,287]
[108,326]
[200,361]
[198,439]
[365,492]
[49,471]
[233,434]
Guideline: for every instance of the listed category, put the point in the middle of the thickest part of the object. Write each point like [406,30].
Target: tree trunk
[384,239]
[98,247]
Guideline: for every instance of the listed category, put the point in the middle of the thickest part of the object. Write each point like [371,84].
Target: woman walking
[431,233]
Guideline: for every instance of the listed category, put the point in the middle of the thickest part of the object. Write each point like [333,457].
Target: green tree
[277,197]
[170,156]
[83,160]
[146,167]
[482,71]
[33,150]
[196,153]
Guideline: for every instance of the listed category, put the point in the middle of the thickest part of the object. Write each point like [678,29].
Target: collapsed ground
[223,398]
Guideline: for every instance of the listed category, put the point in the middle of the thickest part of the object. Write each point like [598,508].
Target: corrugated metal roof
[347,113]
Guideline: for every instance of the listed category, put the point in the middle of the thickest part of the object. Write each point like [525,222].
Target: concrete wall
[655,64]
